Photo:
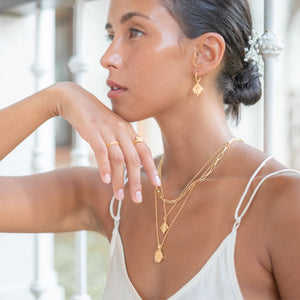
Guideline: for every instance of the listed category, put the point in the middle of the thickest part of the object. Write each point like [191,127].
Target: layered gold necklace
[200,176]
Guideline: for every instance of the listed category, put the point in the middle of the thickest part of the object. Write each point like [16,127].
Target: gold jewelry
[112,143]
[198,89]
[138,139]
[186,192]
[159,255]
[219,153]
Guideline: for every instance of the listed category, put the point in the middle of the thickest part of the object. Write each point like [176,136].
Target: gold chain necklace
[186,192]
[220,152]
[192,183]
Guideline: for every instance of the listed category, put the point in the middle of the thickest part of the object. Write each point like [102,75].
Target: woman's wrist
[59,98]
[52,97]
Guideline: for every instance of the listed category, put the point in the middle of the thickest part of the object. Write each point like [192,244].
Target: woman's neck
[191,134]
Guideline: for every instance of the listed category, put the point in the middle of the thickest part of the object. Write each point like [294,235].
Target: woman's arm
[97,124]
[57,201]
[20,119]
[63,200]
[283,225]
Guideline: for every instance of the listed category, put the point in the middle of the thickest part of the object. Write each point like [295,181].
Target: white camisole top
[216,280]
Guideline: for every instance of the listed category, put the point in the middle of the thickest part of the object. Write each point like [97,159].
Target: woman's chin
[129,115]
[124,114]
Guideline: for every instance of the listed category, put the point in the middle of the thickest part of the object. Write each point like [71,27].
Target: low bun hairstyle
[239,81]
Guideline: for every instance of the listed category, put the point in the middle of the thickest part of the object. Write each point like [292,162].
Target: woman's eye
[109,37]
[135,32]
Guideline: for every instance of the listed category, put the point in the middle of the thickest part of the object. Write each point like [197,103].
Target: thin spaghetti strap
[236,216]
[239,218]
[259,185]
[117,217]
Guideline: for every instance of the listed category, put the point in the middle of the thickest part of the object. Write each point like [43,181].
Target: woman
[176,61]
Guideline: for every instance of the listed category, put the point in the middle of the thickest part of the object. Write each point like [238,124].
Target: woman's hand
[99,126]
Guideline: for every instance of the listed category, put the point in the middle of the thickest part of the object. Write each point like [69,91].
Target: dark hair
[238,80]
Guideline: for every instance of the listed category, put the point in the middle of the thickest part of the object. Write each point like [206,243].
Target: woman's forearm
[96,124]
[19,120]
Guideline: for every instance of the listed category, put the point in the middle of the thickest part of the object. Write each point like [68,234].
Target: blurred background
[63,43]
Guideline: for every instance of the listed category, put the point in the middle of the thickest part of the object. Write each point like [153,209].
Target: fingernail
[139,197]
[106,178]
[120,195]
[157,180]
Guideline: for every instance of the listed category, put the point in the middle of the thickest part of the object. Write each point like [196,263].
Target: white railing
[271,48]
[43,159]
[80,152]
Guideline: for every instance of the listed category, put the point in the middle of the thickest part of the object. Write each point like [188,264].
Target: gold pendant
[164,227]
[198,89]
[158,255]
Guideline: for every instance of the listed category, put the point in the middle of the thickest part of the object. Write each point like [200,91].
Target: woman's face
[146,58]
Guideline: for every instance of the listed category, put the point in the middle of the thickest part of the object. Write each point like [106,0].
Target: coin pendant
[158,255]
[164,227]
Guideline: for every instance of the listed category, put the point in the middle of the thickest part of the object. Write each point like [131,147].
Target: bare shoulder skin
[283,229]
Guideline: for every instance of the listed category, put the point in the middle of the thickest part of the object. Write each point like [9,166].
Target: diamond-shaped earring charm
[198,89]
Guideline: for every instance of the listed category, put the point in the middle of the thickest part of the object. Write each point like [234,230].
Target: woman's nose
[111,60]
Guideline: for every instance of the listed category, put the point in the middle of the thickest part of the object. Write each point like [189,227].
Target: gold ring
[112,143]
[138,139]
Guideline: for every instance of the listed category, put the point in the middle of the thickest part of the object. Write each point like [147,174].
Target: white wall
[282,126]
[292,84]
[95,16]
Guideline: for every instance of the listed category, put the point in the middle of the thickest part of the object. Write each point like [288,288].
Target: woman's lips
[115,89]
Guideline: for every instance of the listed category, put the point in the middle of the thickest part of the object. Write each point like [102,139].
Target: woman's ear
[208,52]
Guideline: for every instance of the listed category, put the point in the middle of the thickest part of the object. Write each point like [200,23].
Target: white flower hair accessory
[253,51]
[267,45]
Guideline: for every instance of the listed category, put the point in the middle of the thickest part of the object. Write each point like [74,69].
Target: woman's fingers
[122,150]
[117,161]
[133,166]
[145,155]
[100,127]
[101,154]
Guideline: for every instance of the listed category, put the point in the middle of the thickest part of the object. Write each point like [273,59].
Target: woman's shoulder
[283,187]
[280,196]
[275,186]
[278,191]
[251,158]
[278,179]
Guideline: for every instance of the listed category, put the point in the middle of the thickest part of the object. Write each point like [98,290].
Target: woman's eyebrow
[130,15]
[127,17]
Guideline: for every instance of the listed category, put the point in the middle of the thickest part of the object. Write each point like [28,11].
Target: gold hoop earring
[198,89]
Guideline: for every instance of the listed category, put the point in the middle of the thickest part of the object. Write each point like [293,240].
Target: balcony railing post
[80,153]
[45,278]
[271,48]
